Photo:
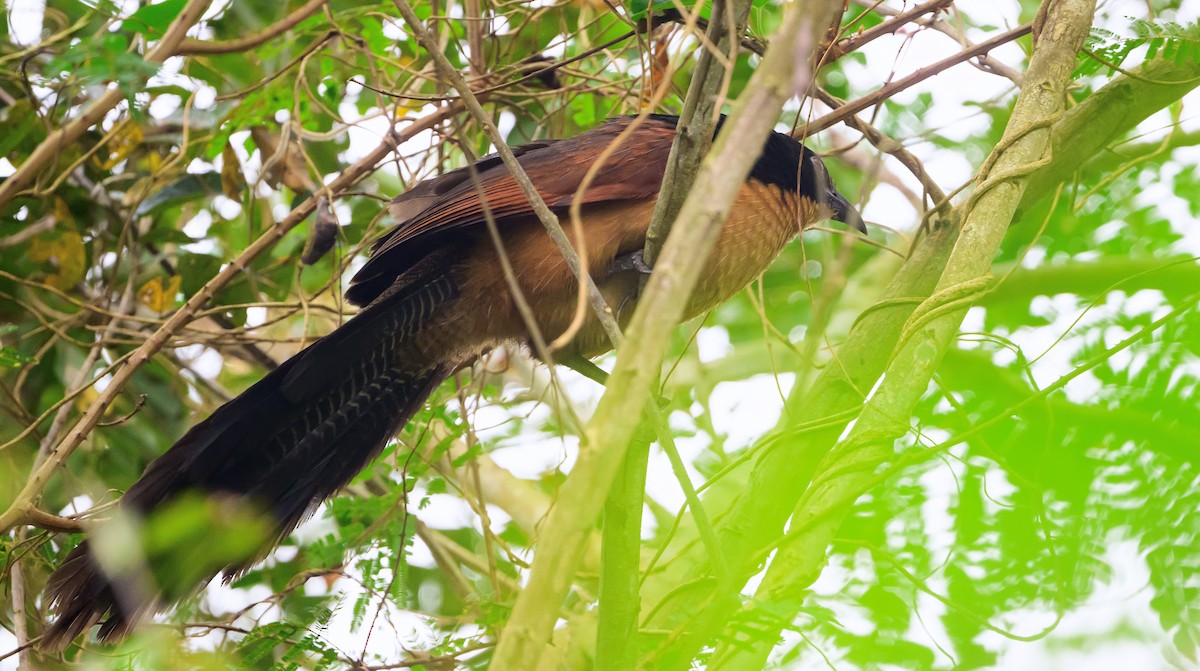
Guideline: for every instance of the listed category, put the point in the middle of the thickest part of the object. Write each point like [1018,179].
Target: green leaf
[639,8]
[20,122]
[11,358]
[152,20]
[188,187]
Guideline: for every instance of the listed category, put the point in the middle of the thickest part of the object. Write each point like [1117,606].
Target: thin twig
[18,510]
[40,226]
[194,47]
[52,147]
[889,90]
[984,62]
[855,42]
[603,312]
[888,146]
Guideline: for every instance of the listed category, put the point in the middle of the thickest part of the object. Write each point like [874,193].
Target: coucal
[434,299]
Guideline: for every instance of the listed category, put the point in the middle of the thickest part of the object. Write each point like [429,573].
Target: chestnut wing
[430,214]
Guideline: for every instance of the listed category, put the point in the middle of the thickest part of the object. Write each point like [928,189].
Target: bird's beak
[844,212]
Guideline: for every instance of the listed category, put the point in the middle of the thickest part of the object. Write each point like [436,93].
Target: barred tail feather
[285,445]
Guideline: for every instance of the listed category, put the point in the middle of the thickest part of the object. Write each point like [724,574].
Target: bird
[433,299]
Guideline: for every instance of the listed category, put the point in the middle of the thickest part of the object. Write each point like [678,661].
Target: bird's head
[820,188]
[786,163]
[789,165]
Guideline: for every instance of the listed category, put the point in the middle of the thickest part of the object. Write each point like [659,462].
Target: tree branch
[53,145]
[620,580]
[1174,276]
[928,334]
[891,89]
[19,511]
[194,47]
[694,134]
[899,20]
[985,63]
[639,361]
[1106,116]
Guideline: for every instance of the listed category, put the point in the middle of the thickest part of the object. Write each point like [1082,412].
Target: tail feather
[320,471]
[285,445]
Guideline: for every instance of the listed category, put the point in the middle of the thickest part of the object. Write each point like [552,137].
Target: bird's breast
[762,220]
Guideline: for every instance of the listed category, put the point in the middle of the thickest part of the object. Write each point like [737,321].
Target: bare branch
[19,511]
[888,146]
[52,146]
[608,434]
[194,47]
[984,62]
[898,21]
[889,90]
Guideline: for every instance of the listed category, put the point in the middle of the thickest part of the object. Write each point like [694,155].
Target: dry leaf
[65,252]
[285,164]
[122,145]
[322,236]
[233,183]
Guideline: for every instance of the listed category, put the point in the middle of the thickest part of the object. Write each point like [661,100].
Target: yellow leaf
[62,213]
[158,298]
[139,190]
[65,252]
[85,398]
[122,145]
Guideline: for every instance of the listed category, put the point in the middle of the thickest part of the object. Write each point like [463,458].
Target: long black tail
[283,446]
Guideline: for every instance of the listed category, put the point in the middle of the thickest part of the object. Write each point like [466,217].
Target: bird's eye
[820,174]
[819,169]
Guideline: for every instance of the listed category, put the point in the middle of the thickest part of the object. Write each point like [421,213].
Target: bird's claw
[632,261]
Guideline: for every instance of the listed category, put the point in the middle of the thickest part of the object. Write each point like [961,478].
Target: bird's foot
[590,370]
[583,366]
[633,261]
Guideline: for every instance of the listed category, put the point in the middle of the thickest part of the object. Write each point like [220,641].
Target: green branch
[758,503]
[1092,279]
[851,465]
[1106,116]
[639,360]
[620,578]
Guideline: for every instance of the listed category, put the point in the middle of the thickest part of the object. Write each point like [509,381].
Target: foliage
[1013,505]
[1170,40]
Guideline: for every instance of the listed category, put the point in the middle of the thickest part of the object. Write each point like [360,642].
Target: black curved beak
[844,212]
